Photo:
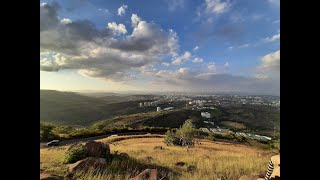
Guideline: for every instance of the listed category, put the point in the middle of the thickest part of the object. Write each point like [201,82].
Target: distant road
[81,140]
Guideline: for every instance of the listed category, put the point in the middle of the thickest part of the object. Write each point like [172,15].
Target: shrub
[184,136]
[75,153]
[46,132]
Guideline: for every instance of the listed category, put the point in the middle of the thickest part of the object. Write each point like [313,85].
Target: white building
[158,109]
[141,104]
[205,114]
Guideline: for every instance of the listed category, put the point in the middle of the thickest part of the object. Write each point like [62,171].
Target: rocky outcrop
[148,174]
[97,149]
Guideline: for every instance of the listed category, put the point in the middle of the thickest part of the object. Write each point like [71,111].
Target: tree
[46,132]
[184,136]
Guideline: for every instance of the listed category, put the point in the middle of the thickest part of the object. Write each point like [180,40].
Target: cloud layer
[99,53]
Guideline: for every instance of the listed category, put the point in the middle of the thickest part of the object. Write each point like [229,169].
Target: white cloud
[273,38]
[43,4]
[276,21]
[226,65]
[122,10]
[271,61]
[135,20]
[181,59]
[230,47]
[66,21]
[216,6]
[100,53]
[165,64]
[174,4]
[275,2]
[187,79]
[270,65]
[183,70]
[212,67]
[244,46]
[117,29]
[197,60]
[104,10]
[195,48]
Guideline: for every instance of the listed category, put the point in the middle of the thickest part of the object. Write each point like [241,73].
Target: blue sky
[212,45]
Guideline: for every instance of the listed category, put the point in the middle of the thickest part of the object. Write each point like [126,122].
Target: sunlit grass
[213,160]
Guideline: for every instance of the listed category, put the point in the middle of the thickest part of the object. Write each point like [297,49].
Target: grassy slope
[69,108]
[212,159]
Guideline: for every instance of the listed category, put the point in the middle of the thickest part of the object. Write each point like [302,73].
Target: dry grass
[213,160]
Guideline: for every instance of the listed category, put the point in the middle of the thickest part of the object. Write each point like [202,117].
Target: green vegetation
[68,108]
[184,136]
[46,132]
[75,153]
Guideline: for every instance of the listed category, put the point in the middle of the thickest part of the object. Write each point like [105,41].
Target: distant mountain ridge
[69,108]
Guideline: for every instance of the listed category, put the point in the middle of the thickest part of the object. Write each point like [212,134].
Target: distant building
[140,104]
[205,114]
[158,109]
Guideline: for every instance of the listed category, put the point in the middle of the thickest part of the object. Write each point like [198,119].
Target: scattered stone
[97,149]
[191,168]
[180,163]
[50,177]
[87,163]
[148,174]
[158,148]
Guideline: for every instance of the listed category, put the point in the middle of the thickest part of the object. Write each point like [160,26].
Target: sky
[161,45]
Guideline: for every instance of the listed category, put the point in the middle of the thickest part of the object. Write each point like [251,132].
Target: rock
[148,159]
[191,168]
[180,163]
[97,149]
[148,174]
[158,148]
[88,163]
[50,177]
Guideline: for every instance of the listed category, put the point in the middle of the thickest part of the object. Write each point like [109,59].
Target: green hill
[68,108]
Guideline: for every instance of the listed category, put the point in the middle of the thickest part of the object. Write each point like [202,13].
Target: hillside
[68,108]
[212,160]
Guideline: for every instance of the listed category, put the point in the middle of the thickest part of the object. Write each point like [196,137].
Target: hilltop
[213,160]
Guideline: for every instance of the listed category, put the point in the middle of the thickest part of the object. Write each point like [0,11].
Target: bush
[184,136]
[46,132]
[75,154]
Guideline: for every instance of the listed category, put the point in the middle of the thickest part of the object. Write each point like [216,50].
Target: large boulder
[50,177]
[97,149]
[88,163]
[148,174]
